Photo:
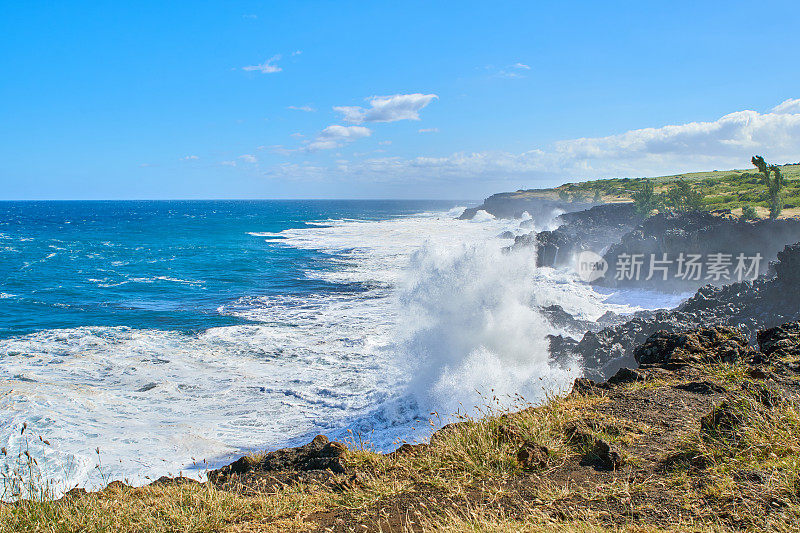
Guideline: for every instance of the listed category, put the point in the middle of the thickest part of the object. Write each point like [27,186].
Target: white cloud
[248,158]
[513,71]
[385,142]
[267,67]
[728,142]
[251,17]
[297,135]
[428,130]
[336,136]
[387,108]
[189,157]
[792,105]
[306,108]
[297,52]
[228,163]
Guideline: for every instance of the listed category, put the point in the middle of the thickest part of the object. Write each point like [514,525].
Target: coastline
[318,479]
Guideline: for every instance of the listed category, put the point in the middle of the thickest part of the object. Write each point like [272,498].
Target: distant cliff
[540,205]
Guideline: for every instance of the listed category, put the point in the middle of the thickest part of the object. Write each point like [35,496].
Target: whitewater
[449,320]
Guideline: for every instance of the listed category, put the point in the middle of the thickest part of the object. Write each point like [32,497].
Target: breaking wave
[446,318]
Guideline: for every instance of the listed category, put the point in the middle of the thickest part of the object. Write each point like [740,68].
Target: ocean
[166,337]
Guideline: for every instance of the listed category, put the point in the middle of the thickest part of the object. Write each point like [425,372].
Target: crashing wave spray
[470,327]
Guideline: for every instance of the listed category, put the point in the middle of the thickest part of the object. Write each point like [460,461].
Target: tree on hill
[772,178]
[682,197]
[645,200]
[563,195]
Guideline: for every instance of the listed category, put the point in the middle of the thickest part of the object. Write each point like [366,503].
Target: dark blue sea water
[159,264]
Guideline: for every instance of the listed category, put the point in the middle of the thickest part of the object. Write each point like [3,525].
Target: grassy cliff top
[722,189]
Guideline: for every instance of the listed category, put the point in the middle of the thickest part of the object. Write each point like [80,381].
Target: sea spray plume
[470,328]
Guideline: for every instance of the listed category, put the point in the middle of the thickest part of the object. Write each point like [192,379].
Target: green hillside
[721,189]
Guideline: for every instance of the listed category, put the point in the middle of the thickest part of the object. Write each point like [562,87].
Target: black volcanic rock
[704,345]
[781,342]
[749,306]
[318,455]
[673,236]
[559,318]
[594,229]
[514,204]
[788,267]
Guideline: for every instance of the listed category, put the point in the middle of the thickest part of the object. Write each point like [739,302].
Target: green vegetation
[772,178]
[578,196]
[729,189]
[749,213]
[682,197]
[646,199]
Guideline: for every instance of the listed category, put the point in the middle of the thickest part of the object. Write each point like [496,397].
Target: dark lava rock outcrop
[319,455]
[514,204]
[782,342]
[667,240]
[594,229]
[750,306]
[704,345]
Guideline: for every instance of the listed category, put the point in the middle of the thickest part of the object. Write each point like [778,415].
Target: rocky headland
[538,204]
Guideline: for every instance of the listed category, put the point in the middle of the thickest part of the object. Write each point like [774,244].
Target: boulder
[318,455]
[704,345]
[788,267]
[780,342]
[532,456]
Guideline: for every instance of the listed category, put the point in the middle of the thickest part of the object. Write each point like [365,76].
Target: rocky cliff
[766,302]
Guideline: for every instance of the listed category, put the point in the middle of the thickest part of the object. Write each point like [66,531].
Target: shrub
[749,213]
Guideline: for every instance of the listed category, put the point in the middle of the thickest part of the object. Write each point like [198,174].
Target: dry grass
[468,478]
[163,508]
[744,459]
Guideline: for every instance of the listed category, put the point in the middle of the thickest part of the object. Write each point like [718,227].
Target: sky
[324,99]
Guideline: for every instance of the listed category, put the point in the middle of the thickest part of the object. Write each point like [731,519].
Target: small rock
[626,375]
[701,387]
[532,456]
[584,386]
[318,455]
[408,449]
[603,456]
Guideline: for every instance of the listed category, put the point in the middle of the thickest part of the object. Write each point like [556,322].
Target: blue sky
[386,99]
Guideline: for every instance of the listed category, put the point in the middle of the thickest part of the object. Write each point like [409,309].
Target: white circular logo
[590,266]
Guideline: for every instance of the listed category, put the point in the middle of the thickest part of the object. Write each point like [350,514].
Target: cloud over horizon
[387,108]
[727,142]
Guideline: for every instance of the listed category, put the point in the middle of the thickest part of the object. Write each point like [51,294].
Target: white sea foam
[449,316]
